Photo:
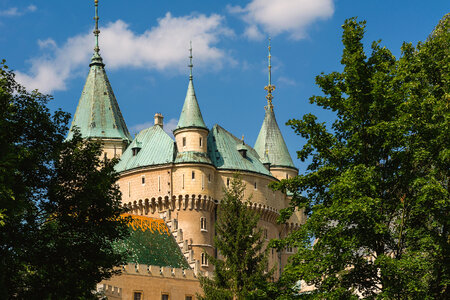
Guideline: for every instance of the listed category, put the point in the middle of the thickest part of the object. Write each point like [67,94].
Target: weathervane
[270,87]
[190,59]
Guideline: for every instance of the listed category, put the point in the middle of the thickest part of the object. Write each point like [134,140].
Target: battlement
[109,291]
[163,272]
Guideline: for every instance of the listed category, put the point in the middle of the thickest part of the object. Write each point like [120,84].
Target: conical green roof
[98,114]
[191,115]
[271,141]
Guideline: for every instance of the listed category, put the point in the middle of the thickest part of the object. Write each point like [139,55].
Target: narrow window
[159,183]
[265,234]
[193,175]
[129,189]
[203,224]
[287,176]
[255,185]
[182,183]
[204,260]
[184,142]
[228,182]
[137,296]
[209,177]
[201,142]
[143,179]
[203,181]
[164,296]
[289,249]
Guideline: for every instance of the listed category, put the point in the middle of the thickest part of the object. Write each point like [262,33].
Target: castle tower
[270,144]
[191,132]
[98,114]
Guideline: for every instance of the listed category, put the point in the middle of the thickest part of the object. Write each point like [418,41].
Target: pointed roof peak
[270,144]
[191,116]
[98,114]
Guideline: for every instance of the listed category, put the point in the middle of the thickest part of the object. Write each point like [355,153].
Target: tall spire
[270,144]
[98,114]
[190,60]
[96,58]
[191,115]
[270,87]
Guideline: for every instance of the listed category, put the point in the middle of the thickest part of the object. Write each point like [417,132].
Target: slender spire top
[96,58]
[270,87]
[96,31]
[190,60]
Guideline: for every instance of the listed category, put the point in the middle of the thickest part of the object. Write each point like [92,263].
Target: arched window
[203,224]
[204,260]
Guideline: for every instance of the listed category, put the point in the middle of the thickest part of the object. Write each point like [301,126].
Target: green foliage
[59,202]
[240,270]
[377,188]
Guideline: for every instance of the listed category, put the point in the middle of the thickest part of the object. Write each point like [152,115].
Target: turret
[270,144]
[191,132]
[98,114]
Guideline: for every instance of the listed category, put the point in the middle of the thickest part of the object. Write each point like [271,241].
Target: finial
[190,60]
[270,87]
[96,31]
[242,138]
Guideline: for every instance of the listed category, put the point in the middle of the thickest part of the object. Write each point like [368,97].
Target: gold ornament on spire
[270,87]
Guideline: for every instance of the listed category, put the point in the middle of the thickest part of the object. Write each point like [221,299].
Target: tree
[376,191]
[240,272]
[59,202]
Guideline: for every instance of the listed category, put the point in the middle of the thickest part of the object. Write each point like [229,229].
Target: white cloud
[276,17]
[287,81]
[168,127]
[16,12]
[162,47]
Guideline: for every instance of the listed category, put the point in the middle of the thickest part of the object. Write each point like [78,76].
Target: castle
[181,182]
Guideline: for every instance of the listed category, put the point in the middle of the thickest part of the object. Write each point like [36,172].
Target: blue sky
[145,44]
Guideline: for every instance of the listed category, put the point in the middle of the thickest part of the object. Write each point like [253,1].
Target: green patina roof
[157,148]
[98,114]
[192,157]
[151,243]
[191,115]
[223,152]
[271,139]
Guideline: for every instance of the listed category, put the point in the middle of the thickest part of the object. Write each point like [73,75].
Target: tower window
[228,182]
[209,177]
[184,142]
[193,175]
[203,224]
[265,233]
[159,183]
[287,176]
[182,183]
[201,141]
[143,179]
[204,260]
[255,185]
[137,296]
